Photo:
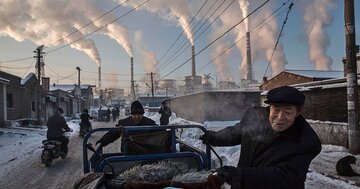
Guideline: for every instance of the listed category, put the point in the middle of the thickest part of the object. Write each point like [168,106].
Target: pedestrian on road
[135,119]
[165,112]
[277,144]
[108,113]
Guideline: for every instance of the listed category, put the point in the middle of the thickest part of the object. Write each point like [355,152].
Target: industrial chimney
[99,77]
[193,61]
[132,90]
[248,59]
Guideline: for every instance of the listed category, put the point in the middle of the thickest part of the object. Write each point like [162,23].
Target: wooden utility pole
[351,75]
[152,85]
[38,57]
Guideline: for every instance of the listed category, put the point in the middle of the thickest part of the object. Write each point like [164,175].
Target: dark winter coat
[85,118]
[111,136]
[56,126]
[165,115]
[269,159]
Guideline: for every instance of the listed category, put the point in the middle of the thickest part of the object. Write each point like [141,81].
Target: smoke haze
[316,17]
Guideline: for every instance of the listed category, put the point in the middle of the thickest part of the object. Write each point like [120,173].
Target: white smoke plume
[222,68]
[262,41]
[244,6]
[148,58]
[174,11]
[44,22]
[316,17]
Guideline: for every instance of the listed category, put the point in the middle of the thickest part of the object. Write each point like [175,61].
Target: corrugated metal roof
[317,73]
[26,79]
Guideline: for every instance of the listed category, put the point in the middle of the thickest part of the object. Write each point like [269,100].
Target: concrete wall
[331,133]
[214,106]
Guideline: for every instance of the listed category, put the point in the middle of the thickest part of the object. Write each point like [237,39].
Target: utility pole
[38,57]
[78,97]
[78,69]
[152,85]
[351,75]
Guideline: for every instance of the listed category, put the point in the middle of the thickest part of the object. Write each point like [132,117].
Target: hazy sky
[159,35]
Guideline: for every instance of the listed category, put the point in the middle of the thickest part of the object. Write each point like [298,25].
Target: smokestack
[193,61]
[99,77]
[248,58]
[132,90]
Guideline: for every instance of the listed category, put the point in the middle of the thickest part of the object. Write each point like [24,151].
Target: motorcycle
[52,150]
[84,128]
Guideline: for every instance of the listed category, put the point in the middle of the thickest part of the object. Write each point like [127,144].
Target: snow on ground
[18,143]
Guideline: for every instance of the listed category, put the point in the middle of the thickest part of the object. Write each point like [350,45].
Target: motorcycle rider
[56,127]
[85,119]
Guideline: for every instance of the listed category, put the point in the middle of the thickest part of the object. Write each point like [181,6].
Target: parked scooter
[51,151]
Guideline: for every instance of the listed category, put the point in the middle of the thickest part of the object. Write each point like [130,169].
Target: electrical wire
[77,30]
[99,28]
[266,20]
[16,60]
[277,41]
[180,34]
[200,33]
[211,43]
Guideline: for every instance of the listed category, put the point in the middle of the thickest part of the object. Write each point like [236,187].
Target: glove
[228,173]
[202,138]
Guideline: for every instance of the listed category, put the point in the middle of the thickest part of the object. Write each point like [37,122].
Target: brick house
[30,85]
[291,77]
[19,97]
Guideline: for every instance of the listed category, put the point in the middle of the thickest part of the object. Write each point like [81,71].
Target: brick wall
[328,104]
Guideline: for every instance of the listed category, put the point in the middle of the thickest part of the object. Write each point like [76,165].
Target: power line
[277,41]
[184,42]
[99,27]
[227,31]
[77,30]
[180,34]
[201,32]
[16,60]
[266,20]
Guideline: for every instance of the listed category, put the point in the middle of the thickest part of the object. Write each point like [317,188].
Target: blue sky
[159,28]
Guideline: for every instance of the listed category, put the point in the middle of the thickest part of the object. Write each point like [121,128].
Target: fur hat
[137,108]
[285,95]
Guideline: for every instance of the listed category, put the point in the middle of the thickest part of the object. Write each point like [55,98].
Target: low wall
[214,105]
[331,132]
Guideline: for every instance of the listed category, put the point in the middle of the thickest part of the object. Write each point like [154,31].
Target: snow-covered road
[20,165]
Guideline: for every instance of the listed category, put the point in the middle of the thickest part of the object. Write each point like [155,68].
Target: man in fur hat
[277,144]
[136,118]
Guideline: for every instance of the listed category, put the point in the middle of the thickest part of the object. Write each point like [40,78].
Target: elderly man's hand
[227,173]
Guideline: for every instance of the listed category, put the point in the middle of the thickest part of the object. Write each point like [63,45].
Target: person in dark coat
[56,127]
[108,113]
[113,112]
[277,144]
[85,118]
[165,112]
[135,119]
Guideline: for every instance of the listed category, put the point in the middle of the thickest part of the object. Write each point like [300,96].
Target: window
[33,106]
[9,100]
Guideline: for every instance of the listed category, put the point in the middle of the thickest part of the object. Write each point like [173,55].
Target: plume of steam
[222,68]
[244,6]
[44,22]
[148,58]
[316,18]
[174,11]
[262,42]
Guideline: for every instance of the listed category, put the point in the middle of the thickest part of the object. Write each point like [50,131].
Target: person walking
[165,112]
